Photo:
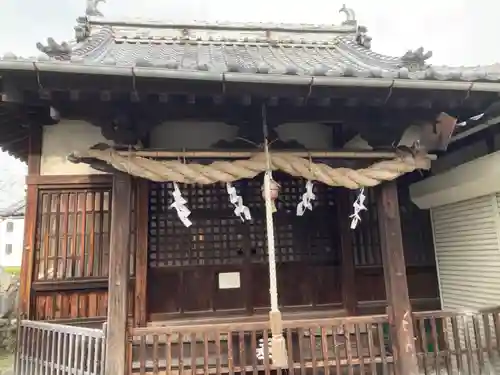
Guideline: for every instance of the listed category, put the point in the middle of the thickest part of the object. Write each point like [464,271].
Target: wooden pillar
[396,285]
[349,298]
[34,158]
[119,262]
[141,252]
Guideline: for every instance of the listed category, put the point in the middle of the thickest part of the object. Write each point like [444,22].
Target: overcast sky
[459,32]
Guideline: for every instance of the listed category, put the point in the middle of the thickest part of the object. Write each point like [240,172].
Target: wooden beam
[141,252]
[34,157]
[69,180]
[119,262]
[339,154]
[349,297]
[396,285]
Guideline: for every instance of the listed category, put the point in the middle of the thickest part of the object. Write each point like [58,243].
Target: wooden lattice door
[185,263]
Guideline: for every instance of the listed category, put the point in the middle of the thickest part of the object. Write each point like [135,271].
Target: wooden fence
[325,345]
[50,349]
[446,342]
[458,343]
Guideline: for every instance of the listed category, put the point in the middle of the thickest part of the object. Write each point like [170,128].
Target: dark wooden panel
[415,227]
[422,283]
[184,263]
[370,284]
[164,291]
[328,285]
[70,304]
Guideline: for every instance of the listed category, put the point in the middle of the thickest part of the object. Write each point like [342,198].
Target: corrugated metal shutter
[467,248]
[468,252]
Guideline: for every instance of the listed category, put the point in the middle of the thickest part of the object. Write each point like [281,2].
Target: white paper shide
[179,204]
[359,206]
[307,198]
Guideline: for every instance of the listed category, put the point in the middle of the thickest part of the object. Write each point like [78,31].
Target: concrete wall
[14,238]
[72,135]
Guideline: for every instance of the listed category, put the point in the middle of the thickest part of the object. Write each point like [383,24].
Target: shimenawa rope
[229,171]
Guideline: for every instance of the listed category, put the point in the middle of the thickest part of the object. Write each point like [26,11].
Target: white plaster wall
[59,140]
[201,135]
[16,238]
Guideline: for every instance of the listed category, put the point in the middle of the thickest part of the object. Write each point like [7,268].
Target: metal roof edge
[324,81]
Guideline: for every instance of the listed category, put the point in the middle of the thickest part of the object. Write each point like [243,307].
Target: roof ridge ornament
[349,14]
[362,38]
[91,10]
[54,49]
[82,29]
[415,59]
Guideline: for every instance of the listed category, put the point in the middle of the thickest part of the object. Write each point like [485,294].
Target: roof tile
[259,48]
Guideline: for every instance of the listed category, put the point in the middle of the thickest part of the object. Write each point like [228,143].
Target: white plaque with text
[229,280]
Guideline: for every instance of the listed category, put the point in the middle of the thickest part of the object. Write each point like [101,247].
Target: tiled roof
[15,209]
[266,49]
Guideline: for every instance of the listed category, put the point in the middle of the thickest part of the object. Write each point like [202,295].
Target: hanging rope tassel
[278,344]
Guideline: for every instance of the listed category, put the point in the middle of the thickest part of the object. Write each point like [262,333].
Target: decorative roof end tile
[263,68]
[362,37]
[404,73]
[350,16]
[82,29]
[54,49]
[415,60]
[349,71]
[320,70]
[91,10]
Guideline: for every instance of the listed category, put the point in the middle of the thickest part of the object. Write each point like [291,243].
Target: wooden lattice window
[217,236]
[72,234]
[309,238]
[214,238]
[415,228]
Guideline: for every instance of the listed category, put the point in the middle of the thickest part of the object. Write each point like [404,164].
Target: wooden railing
[329,345]
[50,348]
[446,342]
[458,342]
